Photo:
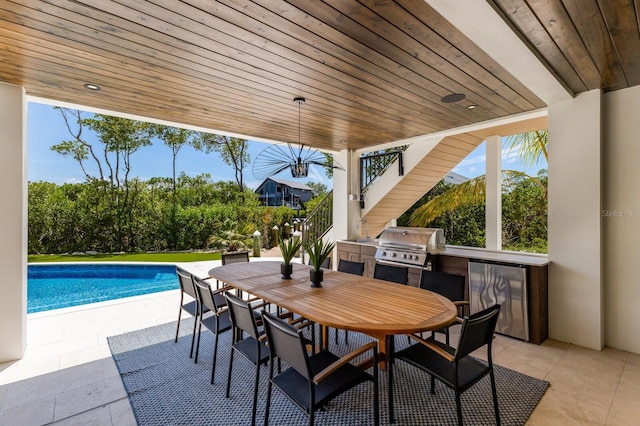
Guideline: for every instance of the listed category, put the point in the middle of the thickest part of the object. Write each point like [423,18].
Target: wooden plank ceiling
[588,44]
[372,71]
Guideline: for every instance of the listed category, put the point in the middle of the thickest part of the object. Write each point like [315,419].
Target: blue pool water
[60,286]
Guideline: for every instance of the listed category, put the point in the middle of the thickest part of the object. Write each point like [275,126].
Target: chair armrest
[437,349]
[330,369]
[259,305]
[460,304]
[286,315]
[303,324]
[294,321]
[219,290]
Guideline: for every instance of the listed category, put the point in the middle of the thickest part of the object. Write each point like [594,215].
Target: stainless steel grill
[410,246]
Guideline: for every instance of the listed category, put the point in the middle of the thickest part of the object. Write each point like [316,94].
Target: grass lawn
[126,257]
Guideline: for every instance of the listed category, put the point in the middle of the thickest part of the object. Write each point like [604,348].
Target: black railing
[373,166]
[319,221]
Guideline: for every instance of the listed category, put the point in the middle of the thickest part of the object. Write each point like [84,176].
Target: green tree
[319,188]
[532,146]
[118,139]
[233,151]
[524,215]
[231,236]
[175,139]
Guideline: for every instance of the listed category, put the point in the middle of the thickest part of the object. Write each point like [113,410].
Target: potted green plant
[318,252]
[288,247]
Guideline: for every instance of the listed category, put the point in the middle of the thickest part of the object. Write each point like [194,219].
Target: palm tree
[232,236]
[532,146]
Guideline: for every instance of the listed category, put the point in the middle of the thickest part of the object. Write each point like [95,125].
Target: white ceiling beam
[458,130]
[485,27]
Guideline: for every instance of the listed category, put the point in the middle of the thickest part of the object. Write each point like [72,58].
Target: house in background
[455,178]
[280,192]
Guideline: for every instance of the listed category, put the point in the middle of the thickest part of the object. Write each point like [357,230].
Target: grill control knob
[393,255]
[384,253]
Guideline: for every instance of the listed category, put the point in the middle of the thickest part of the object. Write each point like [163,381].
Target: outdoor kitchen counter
[455,260]
[497,256]
[362,242]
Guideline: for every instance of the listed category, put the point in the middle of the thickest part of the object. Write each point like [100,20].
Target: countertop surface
[531,259]
[362,242]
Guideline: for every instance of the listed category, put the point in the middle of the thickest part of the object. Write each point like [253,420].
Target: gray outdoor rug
[166,387]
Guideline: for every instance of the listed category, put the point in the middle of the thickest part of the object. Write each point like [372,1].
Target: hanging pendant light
[274,159]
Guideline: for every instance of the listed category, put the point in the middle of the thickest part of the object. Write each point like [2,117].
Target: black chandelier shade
[276,158]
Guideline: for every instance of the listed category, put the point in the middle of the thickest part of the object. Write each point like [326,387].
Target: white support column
[346,207]
[13,223]
[576,313]
[493,179]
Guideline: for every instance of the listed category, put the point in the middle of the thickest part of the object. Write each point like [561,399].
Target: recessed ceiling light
[472,106]
[454,97]
[91,86]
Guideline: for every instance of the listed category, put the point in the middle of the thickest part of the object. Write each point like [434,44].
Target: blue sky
[475,163]
[46,128]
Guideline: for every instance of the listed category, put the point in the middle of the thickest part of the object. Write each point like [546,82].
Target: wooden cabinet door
[367,256]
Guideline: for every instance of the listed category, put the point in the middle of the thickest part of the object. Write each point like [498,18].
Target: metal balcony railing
[373,166]
[319,221]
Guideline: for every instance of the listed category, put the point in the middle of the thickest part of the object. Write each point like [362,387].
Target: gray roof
[455,178]
[290,183]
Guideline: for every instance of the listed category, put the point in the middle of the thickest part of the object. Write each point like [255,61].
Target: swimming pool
[61,286]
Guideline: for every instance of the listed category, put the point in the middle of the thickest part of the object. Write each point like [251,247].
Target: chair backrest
[186,284]
[355,268]
[286,343]
[241,314]
[477,331]
[325,263]
[449,285]
[396,274]
[237,257]
[206,296]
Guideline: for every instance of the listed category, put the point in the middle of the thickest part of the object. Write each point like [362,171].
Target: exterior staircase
[422,165]
[425,164]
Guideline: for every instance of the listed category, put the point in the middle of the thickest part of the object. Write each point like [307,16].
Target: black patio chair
[252,347]
[232,257]
[350,267]
[191,305]
[448,285]
[326,264]
[312,380]
[455,367]
[218,321]
[396,274]
[235,257]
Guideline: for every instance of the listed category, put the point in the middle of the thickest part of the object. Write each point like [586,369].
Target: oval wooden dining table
[377,308]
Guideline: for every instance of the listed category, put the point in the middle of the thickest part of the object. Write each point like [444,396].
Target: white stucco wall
[346,214]
[621,218]
[575,249]
[13,223]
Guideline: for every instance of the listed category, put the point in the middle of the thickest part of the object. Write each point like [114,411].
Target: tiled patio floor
[68,377]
